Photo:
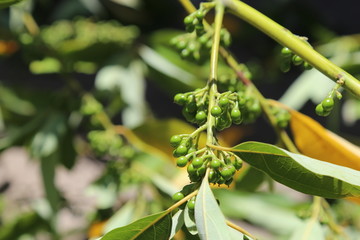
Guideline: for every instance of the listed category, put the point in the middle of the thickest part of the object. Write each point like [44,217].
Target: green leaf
[190,221]
[156,227]
[48,165]
[177,223]
[301,173]
[7,3]
[308,230]
[46,141]
[210,221]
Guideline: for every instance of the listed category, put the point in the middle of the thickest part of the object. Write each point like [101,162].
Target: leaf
[46,141]
[177,223]
[156,227]
[317,142]
[48,165]
[190,221]
[308,230]
[209,219]
[301,173]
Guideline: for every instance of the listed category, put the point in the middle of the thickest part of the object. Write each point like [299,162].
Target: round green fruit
[328,104]
[223,102]
[197,162]
[181,161]
[178,196]
[216,111]
[175,140]
[286,52]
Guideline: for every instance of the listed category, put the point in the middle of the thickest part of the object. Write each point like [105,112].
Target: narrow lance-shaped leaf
[301,173]
[177,223]
[209,219]
[153,227]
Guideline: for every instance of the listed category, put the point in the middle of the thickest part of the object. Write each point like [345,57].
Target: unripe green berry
[191,170]
[180,99]
[285,66]
[203,39]
[238,163]
[189,19]
[191,204]
[181,44]
[181,150]
[197,162]
[200,15]
[223,102]
[235,114]
[175,140]
[215,163]
[328,104]
[319,110]
[227,172]
[200,116]
[213,176]
[181,161]
[185,53]
[216,111]
[201,171]
[307,66]
[286,52]
[178,196]
[297,60]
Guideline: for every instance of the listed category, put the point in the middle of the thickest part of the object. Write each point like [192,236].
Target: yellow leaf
[317,142]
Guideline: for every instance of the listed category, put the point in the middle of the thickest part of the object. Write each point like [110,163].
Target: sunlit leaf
[301,173]
[308,230]
[177,223]
[315,141]
[210,221]
[190,221]
[153,227]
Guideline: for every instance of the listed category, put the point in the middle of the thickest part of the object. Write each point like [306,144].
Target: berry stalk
[219,9]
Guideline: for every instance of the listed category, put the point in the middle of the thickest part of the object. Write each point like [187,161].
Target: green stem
[219,9]
[293,42]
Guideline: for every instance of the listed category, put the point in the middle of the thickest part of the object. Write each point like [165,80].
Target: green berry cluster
[223,165]
[289,57]
[324,108]
[196,44]
[195,105]
[107,143]
[282,116]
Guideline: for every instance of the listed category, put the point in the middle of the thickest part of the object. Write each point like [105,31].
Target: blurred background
[86,108]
